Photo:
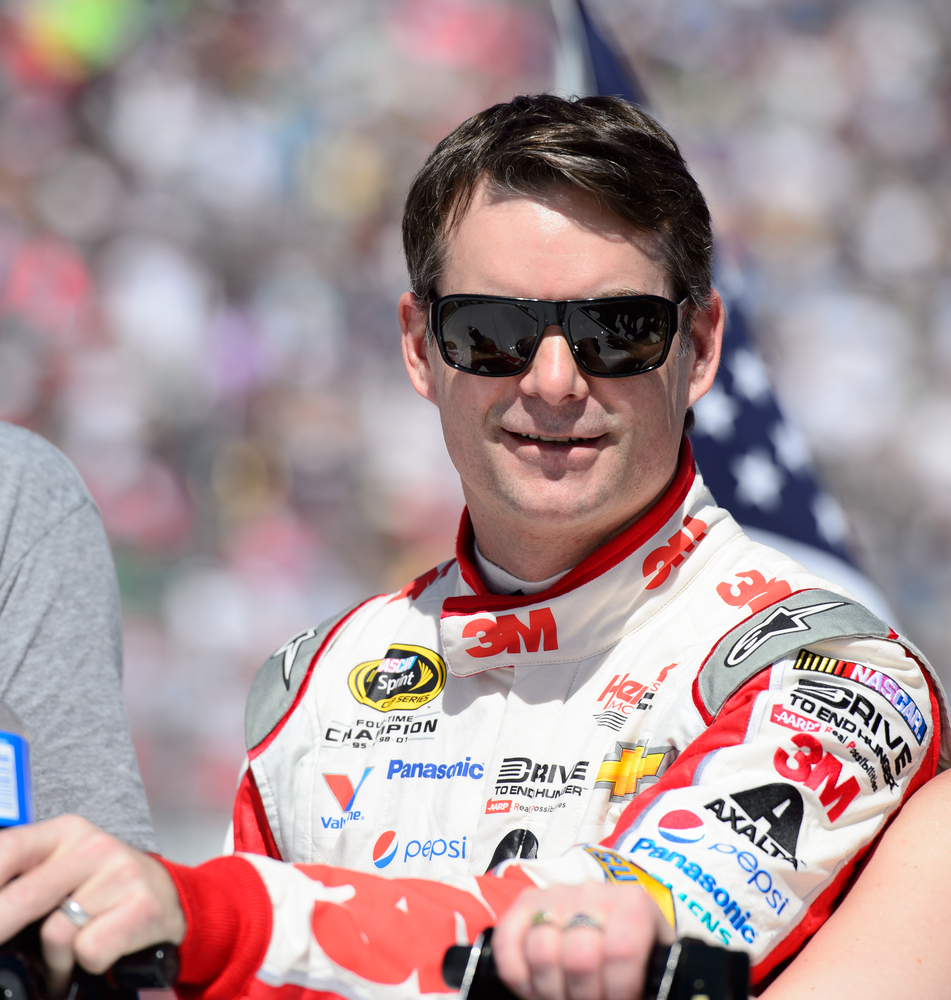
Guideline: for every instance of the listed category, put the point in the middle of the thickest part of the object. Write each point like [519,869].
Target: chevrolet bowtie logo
[624,770]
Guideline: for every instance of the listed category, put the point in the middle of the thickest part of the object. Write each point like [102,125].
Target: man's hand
[549,961]
[130,897]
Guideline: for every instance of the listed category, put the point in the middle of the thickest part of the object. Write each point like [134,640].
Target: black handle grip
[698,970]
[152,968]
[22,974]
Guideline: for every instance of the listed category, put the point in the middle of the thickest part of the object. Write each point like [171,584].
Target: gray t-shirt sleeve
[61,645]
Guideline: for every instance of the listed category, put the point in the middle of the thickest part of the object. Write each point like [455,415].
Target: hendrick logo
[407,677]
[781,622]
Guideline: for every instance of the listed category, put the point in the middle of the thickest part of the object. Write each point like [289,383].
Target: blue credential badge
[16,798]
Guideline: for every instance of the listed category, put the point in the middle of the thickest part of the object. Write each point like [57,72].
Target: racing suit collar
[616,588]
[600,561]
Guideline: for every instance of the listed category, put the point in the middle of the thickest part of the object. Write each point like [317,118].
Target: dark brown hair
[603,146]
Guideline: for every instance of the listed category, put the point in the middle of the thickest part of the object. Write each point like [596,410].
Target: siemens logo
[462,769]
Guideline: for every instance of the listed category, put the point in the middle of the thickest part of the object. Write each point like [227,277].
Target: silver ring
[76,914]
[583,920]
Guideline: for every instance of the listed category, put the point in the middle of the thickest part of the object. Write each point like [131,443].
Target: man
[607,662]
[61,646]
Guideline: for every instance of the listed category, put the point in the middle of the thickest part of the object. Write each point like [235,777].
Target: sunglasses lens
[493,338]
[621,339]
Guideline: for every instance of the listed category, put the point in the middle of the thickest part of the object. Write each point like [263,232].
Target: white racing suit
[686,710]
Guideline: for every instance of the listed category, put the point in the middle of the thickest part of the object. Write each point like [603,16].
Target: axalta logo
[769,817]
[387,849]
[507,633]
[659,563]
[631,766]
[342,789]
[498,806]
[407,677]
[437,772]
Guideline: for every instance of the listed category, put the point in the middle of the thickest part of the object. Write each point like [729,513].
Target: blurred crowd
[821,133]
[199,264]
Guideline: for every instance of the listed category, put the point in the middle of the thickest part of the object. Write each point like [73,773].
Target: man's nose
[553,374]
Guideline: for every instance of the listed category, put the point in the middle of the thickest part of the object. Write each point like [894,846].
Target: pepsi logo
[681,827]
[384,850]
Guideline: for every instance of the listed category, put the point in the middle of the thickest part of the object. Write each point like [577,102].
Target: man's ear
[413,316]
[706,338]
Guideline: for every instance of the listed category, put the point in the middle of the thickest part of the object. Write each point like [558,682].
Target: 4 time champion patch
[407,677]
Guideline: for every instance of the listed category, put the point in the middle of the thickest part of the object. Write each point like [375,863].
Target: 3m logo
[498,806]
[658,564]
[814,767]
[629,766]
[757,591]
[507,633]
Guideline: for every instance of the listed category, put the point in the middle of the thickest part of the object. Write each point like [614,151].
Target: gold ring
[542,917]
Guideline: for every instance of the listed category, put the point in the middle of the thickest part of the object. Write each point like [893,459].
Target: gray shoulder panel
[277,682]
[799,620]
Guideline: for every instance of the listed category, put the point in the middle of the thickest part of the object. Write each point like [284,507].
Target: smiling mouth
[552,440]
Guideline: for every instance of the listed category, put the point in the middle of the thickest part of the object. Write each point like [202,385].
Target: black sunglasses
[612,337]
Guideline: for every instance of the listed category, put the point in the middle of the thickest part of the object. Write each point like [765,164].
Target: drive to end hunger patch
[407,677]
[777,631]
[889,689]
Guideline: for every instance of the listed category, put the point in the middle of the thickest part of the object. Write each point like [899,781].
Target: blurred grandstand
[199,263]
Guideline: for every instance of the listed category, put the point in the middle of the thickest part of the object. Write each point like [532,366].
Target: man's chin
[538,506]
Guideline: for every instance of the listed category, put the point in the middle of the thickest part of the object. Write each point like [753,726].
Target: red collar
[600,561]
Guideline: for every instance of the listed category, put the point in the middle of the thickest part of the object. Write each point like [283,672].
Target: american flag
[755,461]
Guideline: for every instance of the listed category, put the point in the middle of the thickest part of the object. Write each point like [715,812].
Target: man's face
[552,445]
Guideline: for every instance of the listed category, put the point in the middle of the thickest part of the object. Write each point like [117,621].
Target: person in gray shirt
[61,642]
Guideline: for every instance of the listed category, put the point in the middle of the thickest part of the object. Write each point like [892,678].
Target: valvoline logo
[681,826]
[343,791]
[385,848]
